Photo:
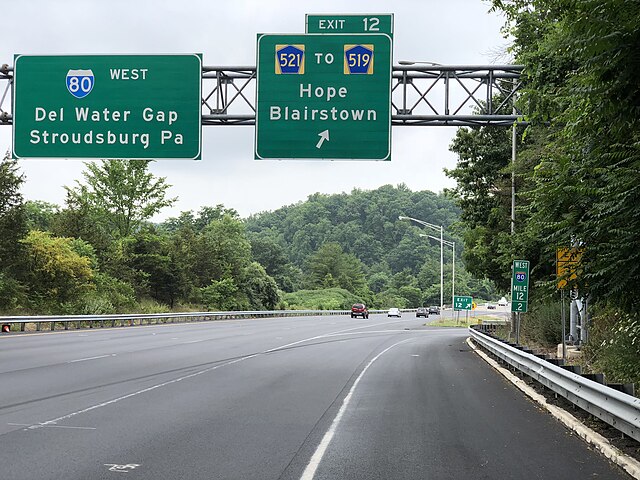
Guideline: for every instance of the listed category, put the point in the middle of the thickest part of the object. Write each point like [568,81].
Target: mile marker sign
[323,97]
[520,286]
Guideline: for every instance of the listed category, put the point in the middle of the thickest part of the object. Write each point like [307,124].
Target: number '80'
[82,84]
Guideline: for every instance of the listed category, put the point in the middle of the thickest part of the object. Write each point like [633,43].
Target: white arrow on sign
[323,136]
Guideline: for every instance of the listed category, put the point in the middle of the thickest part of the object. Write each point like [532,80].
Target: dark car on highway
[422,312]
[359,309]
[434,309]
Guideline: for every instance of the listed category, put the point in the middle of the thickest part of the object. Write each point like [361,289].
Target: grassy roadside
[462,321]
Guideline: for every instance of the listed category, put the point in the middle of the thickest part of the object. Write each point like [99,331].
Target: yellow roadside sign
[567,265]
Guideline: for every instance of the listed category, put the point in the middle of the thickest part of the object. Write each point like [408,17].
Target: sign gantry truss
[453,95]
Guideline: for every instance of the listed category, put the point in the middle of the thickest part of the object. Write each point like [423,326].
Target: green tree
[331,267]
[122,192]
[483,192]
[13,227]
[223,295]
[198,223]
[56,272]
[148,254]
[40,215]
[272,256]
[222,251]
[378,282]
[260,289]
[13,224]
[581,75]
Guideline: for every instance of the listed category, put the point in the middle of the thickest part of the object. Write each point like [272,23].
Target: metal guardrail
[130,319]
[618,409]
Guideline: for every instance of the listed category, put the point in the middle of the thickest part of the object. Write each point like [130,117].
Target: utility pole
[514,327]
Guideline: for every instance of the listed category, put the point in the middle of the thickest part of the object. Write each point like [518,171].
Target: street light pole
[441,270]
[440,229]
[453,262]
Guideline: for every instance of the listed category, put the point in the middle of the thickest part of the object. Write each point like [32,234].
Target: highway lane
[256,399]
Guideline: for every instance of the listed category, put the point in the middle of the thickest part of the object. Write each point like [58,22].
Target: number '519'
[359,59]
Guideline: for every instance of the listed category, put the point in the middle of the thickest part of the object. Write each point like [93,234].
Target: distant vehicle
[491,306]
[394,312]
[422,312]
[359,309]
[434,309]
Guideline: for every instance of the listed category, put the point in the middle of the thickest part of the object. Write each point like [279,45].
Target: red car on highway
[359,309]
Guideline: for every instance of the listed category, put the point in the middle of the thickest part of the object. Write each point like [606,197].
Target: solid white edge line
[316,458]
[629,464]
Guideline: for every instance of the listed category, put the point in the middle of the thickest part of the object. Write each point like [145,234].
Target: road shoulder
[627,463]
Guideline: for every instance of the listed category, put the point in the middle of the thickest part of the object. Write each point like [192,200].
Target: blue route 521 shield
[80,82]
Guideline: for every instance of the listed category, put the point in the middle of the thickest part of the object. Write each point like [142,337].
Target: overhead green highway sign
[349,23]
[520,286]
[107,106]
[323,97]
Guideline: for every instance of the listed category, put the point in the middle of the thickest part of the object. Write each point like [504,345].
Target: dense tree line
[99,253]
[577,171]
[356,242]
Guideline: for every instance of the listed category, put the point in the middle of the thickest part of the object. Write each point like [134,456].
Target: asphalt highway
[288,398]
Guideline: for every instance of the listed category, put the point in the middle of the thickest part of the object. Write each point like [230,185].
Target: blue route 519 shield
[80,82]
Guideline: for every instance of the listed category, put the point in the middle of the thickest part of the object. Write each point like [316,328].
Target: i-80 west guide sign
[107,106]
[323,97]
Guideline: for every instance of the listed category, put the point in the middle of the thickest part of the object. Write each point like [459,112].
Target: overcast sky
[224,31]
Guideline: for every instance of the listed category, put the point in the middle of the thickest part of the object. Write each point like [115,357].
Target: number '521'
[290,59]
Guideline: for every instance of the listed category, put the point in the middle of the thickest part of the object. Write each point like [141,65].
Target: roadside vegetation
[99,253]
[577,173]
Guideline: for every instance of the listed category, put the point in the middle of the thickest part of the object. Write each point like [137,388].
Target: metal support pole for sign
[587,320]
[441,270]
[573,321]
[513,175]
[514,325]
[564,328]
[518,328]
[584,322]
[453,273]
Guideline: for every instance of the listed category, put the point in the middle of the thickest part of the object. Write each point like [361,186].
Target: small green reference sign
[462,303]
[520,286]
[347,23]
[107,106]
[323,97]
